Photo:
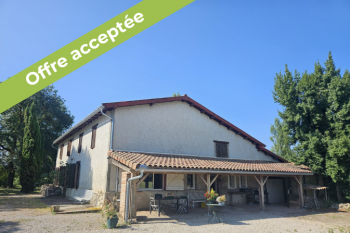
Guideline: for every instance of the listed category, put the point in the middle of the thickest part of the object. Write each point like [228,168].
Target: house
[185,146]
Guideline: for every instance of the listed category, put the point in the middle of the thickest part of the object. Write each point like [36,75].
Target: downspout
[142,167]
[110,146]
[112,128]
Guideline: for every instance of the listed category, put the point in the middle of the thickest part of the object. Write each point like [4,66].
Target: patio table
[167,199]
[215,212]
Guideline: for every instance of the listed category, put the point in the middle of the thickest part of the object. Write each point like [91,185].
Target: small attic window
[221,149]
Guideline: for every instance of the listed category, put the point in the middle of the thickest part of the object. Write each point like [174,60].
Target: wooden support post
[299,181]
[261,182]
[208,182]
[261,193]
[301,191]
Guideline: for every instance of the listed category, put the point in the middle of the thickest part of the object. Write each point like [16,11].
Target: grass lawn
[22,202]
[16,191]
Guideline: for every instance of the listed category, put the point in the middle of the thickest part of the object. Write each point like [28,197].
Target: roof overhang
[208,171]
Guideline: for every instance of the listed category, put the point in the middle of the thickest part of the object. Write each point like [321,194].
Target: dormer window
[221,149]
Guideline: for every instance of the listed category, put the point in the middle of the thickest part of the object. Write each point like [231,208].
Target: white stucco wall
[176,128]
[94,163]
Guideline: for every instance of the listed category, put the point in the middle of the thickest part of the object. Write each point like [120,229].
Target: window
[221,149]
[191,181]
[242,181]
[175,182]
[93,136]
[152,181]
[232,182]
[69,148]
[61,151]
[80,142]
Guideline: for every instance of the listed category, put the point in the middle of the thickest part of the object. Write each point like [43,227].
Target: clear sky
[223,54]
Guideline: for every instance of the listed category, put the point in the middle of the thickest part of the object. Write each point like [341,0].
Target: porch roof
[169,161]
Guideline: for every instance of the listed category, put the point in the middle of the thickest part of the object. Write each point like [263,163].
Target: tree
[53,117]
[316,109]
[280,141]
[175,95]
[31,161]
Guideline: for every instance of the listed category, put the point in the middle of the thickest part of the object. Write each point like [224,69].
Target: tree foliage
[316,114]
[280,140]
[53,118]
[31,160]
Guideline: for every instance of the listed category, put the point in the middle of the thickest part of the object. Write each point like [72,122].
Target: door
[275,189]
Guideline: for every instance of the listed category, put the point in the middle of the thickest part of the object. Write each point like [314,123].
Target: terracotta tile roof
[134,159]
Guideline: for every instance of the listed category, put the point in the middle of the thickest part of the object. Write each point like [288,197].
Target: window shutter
[77,175]
[71,175]
[62,176]
[61,151]
[80,142]
[93,136]
[221,149]
[175,182]
[69,147]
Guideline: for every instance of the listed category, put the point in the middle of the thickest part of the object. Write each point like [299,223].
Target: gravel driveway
[237,219]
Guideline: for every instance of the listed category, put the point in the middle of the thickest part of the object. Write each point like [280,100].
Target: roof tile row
[134,159]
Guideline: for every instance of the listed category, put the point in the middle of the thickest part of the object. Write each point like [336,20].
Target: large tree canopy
[316,114]
[53,117]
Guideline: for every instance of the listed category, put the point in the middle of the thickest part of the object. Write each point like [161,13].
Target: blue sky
[223,54]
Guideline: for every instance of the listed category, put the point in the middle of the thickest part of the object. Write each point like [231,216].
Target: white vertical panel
[175,182]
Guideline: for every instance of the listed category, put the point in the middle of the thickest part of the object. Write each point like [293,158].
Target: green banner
[85,49]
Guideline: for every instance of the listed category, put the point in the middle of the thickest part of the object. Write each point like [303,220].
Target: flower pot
[221,203]
[112,222]
[211,202]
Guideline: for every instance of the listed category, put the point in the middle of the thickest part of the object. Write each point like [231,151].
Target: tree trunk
[339,196]
[11,175]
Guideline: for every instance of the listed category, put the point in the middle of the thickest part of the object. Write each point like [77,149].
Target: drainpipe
[142,167]
[112,128]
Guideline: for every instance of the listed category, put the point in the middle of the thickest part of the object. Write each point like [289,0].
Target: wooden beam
[301,196]
[265,180]
[203,180]
[257,180]
[120,165]
[208,182]
[142,179]
[261,193]
[211,183]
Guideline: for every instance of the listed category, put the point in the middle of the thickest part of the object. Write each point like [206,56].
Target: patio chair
[183,204]
[153,205]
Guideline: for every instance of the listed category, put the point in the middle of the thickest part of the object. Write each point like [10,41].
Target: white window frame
[246,181]
[235,182]
[194,181]
[147,189]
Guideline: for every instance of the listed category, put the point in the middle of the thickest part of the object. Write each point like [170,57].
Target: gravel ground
[237,219]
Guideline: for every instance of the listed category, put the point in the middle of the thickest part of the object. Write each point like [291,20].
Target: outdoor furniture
[167,199]
[314,188]
[152,205]
[182,204]
[195,197]
[86,197]
[215,212]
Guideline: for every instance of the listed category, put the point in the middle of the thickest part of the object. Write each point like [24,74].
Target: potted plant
[109,211]
[221,200]
[211,196]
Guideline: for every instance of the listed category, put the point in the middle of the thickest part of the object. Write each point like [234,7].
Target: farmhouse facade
[186,148]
